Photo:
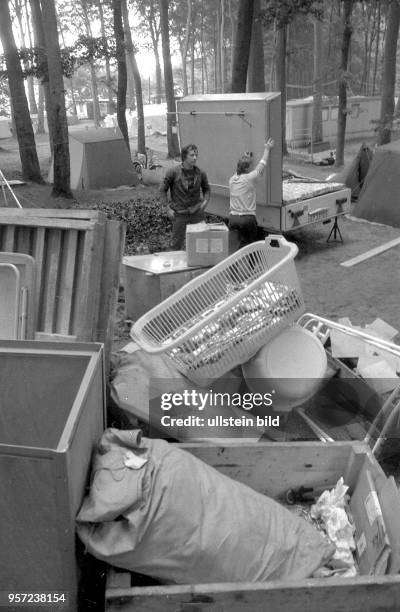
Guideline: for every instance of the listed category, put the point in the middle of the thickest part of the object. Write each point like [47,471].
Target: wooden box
[52,413]
[150,279]
[77,255]
[272,468]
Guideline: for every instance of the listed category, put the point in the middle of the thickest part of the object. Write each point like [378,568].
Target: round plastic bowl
[290,367]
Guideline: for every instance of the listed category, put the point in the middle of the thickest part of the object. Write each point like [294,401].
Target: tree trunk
[203,60]
[40,44]
[130,84]
[172,136]
[377,42]
[389,74]
[141,146]
[26,139]
[342,105]
[92,68]
[242,46]
[192,62]
[233,32]
[33,107]
[185,46]
[110,105]
[281,36]
[121,66]
[317,135]
[155,37]
[61,160]
[24,44]
[255,73]
[222,46]
[40,124]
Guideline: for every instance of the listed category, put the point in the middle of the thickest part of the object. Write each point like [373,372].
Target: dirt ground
[362,292]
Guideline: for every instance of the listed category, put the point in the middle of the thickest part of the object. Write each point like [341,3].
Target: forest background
[57,54]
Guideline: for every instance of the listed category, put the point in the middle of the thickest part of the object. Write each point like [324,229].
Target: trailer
[223,126]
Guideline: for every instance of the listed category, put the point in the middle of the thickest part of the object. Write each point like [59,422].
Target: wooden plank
[113,251]
[47,337]
[24,240]
[313,464]
[371,253]
[64,213]
[79,224]
[67,276]
[38,253]
[363,594]
[9,239]
[50,288]
[88,284]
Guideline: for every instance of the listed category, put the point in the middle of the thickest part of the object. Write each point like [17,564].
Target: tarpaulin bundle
[156,509]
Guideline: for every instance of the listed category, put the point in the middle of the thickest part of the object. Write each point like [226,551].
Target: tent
[353,175]
[379,197]
[99,158]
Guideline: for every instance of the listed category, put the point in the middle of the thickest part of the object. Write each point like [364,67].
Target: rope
[5,182]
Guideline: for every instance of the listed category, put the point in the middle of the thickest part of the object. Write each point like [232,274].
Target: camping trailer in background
[223,126]
[362,112]
[99,158]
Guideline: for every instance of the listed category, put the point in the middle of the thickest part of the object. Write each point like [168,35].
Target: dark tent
[353,175]
[379,197]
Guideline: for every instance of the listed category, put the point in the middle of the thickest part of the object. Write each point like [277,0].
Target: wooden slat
[50,297]
[54,213]
[113,251]
[67,274]
[24,235]
[47,222]
[88,285]
[9,239]
[38,253]
[47,337]
[363,594]
[371,253]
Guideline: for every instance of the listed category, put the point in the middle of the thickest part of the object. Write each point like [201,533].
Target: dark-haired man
[242,196]
[189,195]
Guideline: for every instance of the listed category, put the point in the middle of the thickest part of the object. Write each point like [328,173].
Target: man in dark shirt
[189,193]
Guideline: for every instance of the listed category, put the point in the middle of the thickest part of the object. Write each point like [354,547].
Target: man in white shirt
[242,193]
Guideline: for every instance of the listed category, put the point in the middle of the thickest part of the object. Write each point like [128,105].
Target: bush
[147,227]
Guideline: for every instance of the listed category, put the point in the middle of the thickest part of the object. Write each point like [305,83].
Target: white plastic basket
[221,318]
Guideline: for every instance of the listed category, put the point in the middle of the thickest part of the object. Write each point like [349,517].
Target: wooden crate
[77,257]
[271,468]
[52,413]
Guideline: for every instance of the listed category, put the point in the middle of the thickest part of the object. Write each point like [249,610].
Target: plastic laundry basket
[221,318]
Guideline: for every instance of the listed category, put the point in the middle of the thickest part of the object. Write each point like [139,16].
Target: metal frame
[390,409]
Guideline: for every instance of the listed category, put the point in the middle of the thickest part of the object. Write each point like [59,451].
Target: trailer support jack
[335,231]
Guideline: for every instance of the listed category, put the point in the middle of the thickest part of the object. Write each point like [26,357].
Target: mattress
[296,190]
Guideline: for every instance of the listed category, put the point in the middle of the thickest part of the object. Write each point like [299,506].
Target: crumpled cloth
[330,511]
